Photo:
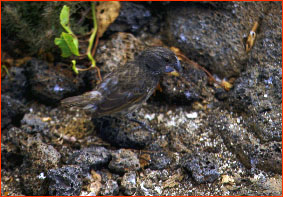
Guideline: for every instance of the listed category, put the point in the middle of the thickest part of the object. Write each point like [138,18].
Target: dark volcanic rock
[110,188]
[190,86]
[64,181]
[132,18]
[33,179]
[92,157]
[12,111]
[42,154]
[202,167]
[10,157]
[38,152]
[15,85]
[250,150]
[123,161]
[120,48]
[257,93]
[159,161]
[129,183]
[38,157]
[212,36]
[256,96]
[50,84]
[254,133]
[33,124]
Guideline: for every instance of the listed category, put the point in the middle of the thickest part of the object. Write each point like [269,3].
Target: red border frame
[145,0]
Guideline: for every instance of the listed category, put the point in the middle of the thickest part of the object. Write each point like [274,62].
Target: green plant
[5,69]
[68,41]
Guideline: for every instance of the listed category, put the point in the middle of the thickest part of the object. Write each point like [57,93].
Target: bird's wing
[118,101]
[128,91]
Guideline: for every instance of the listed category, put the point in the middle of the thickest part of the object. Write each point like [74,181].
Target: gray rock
[159,161]
[256,95]
[38,152]
[33,179]
[110,188]
[33,124]
[202,167]
[92,157]
[254,132]
[256,91]
[38,157]
[245,144]
[116,51]
[42,154]
[64,181]
[11,186]
[129,183]
[212,35]
[123,161]
[34,157]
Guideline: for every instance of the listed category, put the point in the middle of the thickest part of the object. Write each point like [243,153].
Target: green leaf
[65,19]
[64,16]
[61,43]
[72,43]
[68,44]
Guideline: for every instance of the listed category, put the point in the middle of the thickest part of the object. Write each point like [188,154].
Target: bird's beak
[172,71]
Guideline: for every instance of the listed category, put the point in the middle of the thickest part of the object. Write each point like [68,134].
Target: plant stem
[75,69]
[6,70]
[91,39]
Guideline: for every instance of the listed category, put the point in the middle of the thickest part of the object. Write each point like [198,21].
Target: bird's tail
[86,101]
[74,101]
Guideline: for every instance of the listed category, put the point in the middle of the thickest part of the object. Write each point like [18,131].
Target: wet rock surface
[207,141]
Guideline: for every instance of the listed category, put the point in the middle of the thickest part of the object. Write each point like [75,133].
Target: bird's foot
[142,124]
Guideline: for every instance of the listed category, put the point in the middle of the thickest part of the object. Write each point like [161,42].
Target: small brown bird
[124,90]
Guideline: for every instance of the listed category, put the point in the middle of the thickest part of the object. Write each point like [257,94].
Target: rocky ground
[208,141]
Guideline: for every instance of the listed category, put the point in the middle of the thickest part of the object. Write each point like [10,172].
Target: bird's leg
[141,123]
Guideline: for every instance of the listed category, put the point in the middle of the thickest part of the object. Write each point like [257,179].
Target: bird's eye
[167,60]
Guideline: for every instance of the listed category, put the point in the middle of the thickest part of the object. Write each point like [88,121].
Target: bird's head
[159,61]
